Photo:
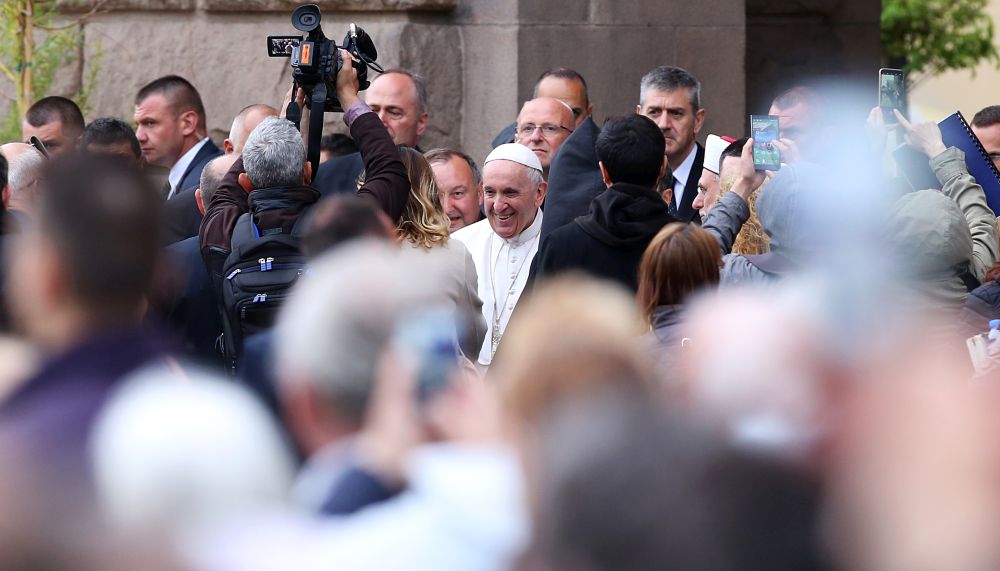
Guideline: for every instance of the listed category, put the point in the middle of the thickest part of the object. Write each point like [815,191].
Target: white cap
[713,152]
[515,152]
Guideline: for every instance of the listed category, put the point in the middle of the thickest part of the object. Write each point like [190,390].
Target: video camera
[316,61]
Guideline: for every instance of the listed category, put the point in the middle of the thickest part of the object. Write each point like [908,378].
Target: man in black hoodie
[609,241]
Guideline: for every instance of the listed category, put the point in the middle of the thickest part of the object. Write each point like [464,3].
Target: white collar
[682,172]
[177,171]
[531,232]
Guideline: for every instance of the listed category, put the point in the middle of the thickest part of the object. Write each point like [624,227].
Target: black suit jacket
[687,213]
[193,315]
[574,178]
[180,213]
[507,135]
[339,174]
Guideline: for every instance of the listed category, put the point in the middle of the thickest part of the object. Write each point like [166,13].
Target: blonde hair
[423,222]
[751,240]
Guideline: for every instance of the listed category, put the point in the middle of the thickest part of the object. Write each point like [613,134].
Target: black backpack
[257,276]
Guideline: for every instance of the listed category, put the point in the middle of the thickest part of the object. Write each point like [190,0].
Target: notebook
[955,132]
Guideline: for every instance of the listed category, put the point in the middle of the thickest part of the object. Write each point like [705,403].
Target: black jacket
[609,242]
[180,214]
[339,175]
[686,212]
[574,178]
[507,135]
[192,312]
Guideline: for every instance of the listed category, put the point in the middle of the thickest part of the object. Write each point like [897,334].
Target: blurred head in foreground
[88,262]
[156,453]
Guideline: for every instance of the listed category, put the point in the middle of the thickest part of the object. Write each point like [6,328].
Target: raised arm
[216,231]
[726,218]
[386,181]
[956,183]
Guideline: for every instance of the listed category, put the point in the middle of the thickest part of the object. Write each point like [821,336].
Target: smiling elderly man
[504,244]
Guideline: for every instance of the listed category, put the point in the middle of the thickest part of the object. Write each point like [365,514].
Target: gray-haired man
[671,97]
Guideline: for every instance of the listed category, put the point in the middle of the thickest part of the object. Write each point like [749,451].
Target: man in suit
[561,83]
[172,133]
[193,314]
[399,98]
[671,97]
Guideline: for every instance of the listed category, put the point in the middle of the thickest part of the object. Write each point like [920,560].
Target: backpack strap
[244,234]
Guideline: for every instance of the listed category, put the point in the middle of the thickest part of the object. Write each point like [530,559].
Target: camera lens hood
[306,18]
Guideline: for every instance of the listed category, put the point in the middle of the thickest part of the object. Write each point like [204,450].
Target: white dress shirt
[681,175]
[177,171]
[502,266]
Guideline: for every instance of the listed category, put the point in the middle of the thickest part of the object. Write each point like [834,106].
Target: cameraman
[386,180]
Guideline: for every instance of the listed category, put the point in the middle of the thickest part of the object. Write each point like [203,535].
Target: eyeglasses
[548,130]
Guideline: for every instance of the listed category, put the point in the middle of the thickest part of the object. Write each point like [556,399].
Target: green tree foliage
[34,42]
[928,37]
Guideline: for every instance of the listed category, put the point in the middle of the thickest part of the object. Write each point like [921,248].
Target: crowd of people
[606,347]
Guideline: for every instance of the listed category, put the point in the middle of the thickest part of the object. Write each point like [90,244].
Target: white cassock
[503,266]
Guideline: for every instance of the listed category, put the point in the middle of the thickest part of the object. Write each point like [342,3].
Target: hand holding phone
[429,340]
[764,132]
[748,178]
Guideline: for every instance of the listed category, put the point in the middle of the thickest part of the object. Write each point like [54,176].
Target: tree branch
[8,72]
[93,11]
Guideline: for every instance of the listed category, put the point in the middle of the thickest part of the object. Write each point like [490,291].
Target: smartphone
[891,93]
[429,340]
[764,131]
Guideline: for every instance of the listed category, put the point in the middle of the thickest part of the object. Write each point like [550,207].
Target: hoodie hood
[626,216]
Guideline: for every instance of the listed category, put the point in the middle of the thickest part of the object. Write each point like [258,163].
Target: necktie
[165,189]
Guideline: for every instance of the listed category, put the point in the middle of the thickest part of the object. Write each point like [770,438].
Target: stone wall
[481,57]
[794,41]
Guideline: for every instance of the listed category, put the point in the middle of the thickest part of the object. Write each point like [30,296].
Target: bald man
[564,84]
[211,178]
[543,125]
[244,124]
[399,98]
[24,164]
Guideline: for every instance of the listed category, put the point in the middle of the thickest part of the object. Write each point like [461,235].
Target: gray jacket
[945,232]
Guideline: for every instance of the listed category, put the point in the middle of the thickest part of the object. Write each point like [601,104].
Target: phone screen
[429,336]
[764,130]
[891,93]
